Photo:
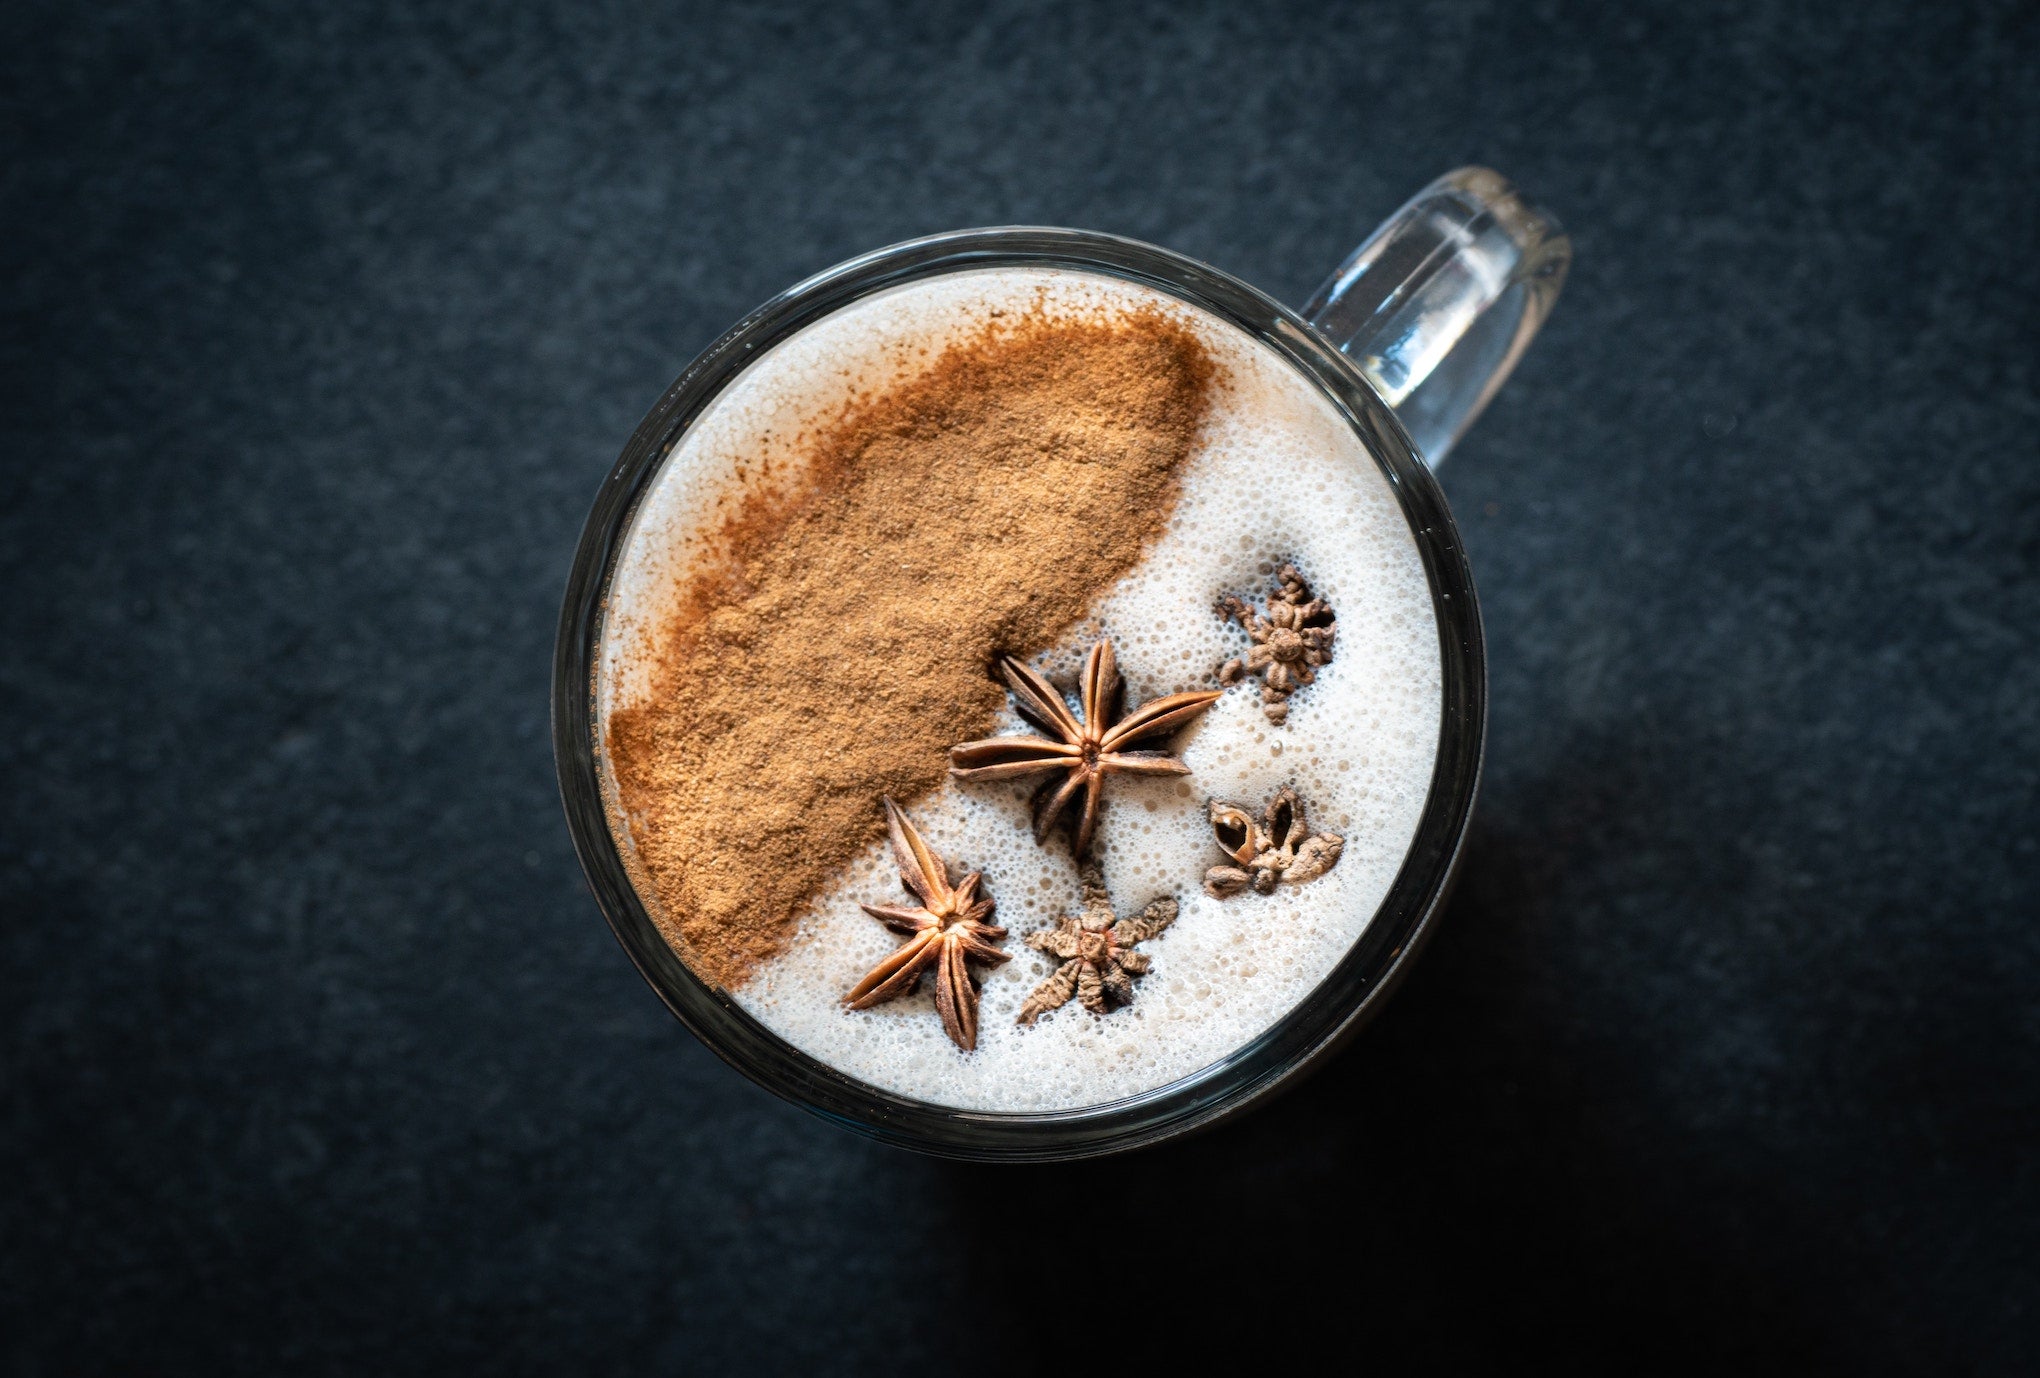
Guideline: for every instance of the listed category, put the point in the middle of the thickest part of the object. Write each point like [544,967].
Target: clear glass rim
[1356,987]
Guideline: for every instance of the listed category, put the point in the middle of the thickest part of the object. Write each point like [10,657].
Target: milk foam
[1277,476]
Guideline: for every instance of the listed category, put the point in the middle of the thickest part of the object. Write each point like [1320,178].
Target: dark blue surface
[323,323]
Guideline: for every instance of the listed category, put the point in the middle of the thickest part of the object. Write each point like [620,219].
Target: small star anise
[1289,643]
[1097,952]
[1278,848]
[946,931]
[1078,755]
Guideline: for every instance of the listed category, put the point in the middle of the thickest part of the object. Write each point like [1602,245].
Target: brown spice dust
[844,644]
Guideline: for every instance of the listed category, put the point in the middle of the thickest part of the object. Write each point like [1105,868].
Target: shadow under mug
[1408,340]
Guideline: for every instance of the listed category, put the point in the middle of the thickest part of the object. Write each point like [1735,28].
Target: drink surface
[1275,476]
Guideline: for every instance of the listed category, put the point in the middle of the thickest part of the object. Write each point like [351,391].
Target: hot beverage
[1032,586]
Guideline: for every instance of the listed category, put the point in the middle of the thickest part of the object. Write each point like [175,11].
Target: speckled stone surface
[323,323]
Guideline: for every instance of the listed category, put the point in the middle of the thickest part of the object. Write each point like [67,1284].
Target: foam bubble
[1277,476]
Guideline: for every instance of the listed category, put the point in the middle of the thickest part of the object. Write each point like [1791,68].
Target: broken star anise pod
[1276,848]
[1077,754]
[1289,643]
[1096,948]
[946,931]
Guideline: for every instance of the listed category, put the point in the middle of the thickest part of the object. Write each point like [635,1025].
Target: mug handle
[1441,301]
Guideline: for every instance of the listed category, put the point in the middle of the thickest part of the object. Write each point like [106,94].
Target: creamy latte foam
[1276,477]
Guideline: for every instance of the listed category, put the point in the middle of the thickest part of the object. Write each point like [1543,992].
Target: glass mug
[1409,339]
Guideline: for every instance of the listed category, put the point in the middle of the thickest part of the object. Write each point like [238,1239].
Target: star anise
[1075,755]
[946,931]
[1097,951]
[1289,643]
[1277,848]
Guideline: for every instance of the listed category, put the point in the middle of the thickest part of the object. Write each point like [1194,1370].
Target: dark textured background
[322,325]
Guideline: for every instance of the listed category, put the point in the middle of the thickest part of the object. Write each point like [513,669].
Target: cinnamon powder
[842,642]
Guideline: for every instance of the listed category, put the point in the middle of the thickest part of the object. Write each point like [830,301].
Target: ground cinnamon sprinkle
[845,647]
